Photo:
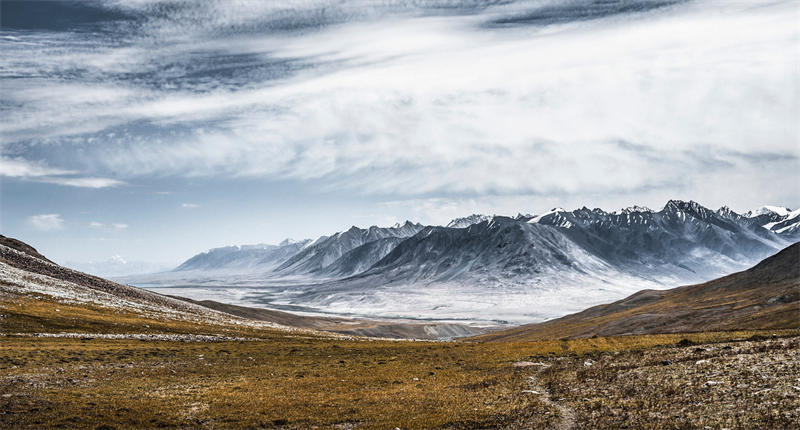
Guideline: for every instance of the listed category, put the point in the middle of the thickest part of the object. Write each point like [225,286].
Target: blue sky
[157,129]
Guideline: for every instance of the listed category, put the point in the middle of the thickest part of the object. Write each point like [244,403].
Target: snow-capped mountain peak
[551,212]
[632,209]
[766,210]
[467,221]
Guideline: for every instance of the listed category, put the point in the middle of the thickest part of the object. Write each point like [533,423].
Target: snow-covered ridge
[467,221]
[767,209]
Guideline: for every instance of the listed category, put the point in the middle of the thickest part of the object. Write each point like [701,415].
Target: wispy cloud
[517,98]
[82,182]
[115,226]
[20,168]
[39,172]
[47,222]
[189,205]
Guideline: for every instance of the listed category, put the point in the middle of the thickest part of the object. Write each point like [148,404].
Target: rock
[698,362]
[666,362]
[588,362]
[529,363]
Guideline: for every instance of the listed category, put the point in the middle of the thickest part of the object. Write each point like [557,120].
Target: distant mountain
[789,226]
[506,269]
[684,241]
[769,211]
[467,221]
[780,220]
[323,253]
[360,258]
[766,296]
[117,266]
[244,258]
[501,248]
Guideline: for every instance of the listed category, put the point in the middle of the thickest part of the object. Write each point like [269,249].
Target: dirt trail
[567,414]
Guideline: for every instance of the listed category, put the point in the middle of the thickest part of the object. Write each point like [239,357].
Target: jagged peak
[538,218]
[768,209]
[681,205]
[467,220]
[633,209]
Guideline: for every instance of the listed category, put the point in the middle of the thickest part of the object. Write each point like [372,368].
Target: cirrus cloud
[519,98]
[46,222]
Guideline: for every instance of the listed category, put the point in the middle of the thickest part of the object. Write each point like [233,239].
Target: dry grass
[288,382]
[291,380]
[740,385]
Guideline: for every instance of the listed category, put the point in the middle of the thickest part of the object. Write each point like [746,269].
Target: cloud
[47,222]
[521,98]
[83,182]
[115,226]
[20,168]
[190,205]
[39,172]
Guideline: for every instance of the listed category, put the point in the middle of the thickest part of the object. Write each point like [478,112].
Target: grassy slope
[766,296]
[283,379]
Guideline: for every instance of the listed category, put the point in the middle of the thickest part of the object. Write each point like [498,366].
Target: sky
[152,130]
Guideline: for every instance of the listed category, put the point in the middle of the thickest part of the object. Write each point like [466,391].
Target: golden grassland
[282,380]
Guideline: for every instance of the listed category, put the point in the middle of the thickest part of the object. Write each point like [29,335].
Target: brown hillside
[21,247]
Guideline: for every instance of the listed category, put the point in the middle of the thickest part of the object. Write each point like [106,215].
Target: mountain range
[522,268]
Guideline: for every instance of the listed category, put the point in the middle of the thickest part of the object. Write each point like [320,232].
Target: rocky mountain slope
[766,296]
[682,242]
[324,253]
